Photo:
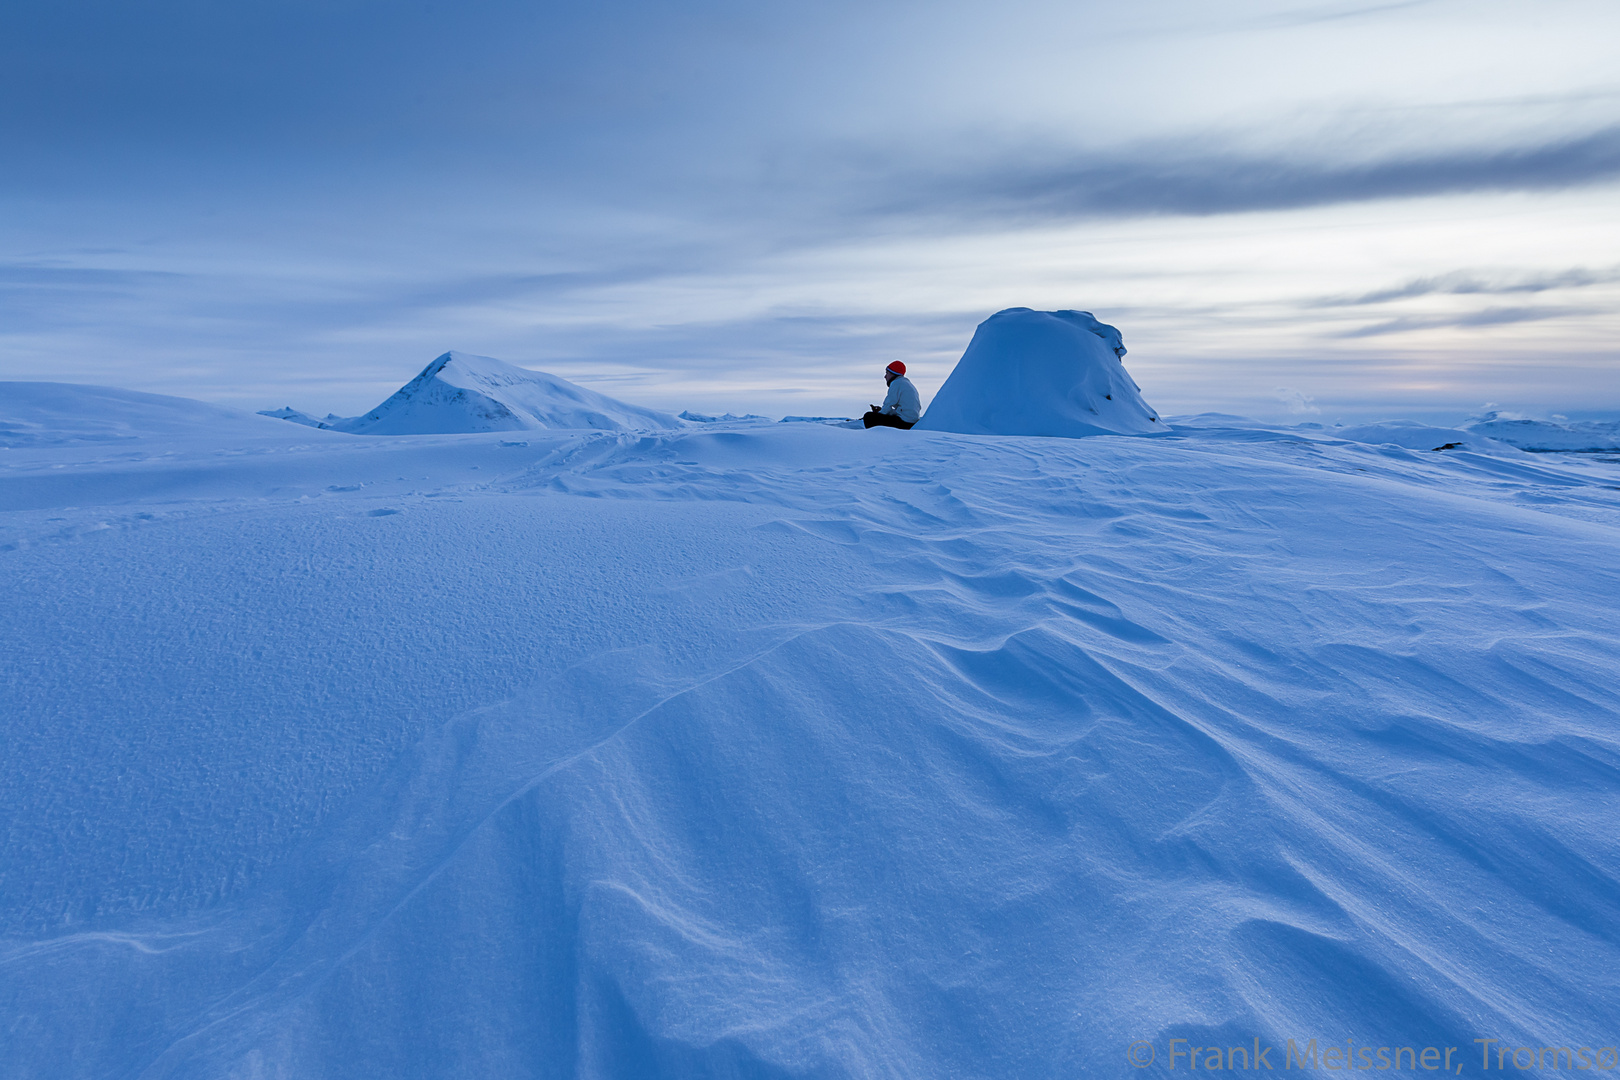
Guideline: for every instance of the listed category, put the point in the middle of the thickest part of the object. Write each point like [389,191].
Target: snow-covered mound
[64,414]
[459,392]
[1042,373]
[1545,435]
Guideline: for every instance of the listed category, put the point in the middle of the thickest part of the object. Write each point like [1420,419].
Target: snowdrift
[1042,373]
[459,392]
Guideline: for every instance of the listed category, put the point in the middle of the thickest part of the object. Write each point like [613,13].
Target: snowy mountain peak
[460,392]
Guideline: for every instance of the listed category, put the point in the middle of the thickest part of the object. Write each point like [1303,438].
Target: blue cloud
[1465,283]
[1165,182]
[1496,316]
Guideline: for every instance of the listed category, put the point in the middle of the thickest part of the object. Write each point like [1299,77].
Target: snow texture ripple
[789,750]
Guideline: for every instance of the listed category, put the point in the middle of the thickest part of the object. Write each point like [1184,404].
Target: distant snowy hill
[1042,373]
[1414,436]
[776,751]
[66,414]
[459,392]
[1546,435]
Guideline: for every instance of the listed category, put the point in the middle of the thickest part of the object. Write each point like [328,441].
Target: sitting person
[903,407]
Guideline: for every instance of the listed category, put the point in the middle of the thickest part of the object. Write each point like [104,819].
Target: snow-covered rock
[831,421]
[460,392]
[1546,435]
[297,417]
[723,418]
[1042,373]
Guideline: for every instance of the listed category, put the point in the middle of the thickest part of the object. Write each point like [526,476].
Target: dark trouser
[880,419]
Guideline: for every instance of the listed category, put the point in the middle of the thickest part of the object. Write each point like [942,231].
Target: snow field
[789,750]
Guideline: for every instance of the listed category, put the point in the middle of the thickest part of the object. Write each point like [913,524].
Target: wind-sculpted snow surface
[778,751]
[459,393]
[1042,373]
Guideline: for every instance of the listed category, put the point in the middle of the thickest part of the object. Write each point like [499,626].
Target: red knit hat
[897,367]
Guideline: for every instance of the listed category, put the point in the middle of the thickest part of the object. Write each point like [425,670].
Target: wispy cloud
[16,275]
[42,297]
[1321,13]
[1497,316]
[1470,283]
[1159,181]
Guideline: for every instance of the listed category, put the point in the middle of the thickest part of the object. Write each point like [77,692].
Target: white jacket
[903,400]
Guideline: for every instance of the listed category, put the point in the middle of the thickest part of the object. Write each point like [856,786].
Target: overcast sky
[1310,209]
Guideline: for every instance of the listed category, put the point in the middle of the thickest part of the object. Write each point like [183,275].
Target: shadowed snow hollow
[459,392]
[1042,373]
